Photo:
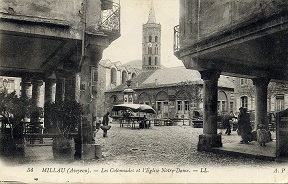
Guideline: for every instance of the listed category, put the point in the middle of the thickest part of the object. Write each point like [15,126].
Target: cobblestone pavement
[165,145]
[157,152]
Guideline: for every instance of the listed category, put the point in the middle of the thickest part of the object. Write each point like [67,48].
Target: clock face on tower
[149,44]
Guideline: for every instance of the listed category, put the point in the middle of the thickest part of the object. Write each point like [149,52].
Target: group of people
[144,123]
[244,128]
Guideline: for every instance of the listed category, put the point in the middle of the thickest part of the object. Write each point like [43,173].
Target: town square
[166,90]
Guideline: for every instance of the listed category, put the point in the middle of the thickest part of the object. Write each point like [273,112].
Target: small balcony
[176,44]
[110,19]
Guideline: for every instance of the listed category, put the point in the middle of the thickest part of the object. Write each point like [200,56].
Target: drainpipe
[82,60]
[83,34]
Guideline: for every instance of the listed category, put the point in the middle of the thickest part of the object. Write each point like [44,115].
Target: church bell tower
[151,43]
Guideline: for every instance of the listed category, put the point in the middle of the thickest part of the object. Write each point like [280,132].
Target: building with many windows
[170,94]
[277,95]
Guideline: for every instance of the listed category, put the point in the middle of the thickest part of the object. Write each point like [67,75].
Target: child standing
[262,135]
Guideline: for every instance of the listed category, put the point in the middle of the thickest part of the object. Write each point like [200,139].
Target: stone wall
[202,19]
[69,11]
[168,93]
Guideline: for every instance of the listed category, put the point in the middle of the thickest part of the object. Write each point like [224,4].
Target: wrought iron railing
[176,45]
[110,20]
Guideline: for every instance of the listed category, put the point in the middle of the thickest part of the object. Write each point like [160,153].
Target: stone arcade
[236,38]
[57,43]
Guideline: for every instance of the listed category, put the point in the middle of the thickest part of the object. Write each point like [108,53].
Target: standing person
[143,123]
[105,122]
[244,126]
[226,122]
[262,135]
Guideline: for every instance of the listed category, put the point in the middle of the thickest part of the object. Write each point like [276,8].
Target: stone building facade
[277,95]
[163,90]
[109,75]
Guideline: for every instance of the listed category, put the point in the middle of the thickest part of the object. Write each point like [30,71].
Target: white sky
[134,13]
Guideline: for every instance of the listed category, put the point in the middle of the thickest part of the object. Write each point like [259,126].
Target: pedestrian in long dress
[262,135]
[244,126]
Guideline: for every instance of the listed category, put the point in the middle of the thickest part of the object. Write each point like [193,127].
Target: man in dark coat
[226,122]
[105,122]
[244,125]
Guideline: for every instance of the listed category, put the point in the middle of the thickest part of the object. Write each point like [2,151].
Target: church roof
[118,65]
[169,77]
[139,79]
[151,18]
[106,63]
[172,76]
[134,63]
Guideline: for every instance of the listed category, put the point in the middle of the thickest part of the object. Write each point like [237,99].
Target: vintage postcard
[143,91]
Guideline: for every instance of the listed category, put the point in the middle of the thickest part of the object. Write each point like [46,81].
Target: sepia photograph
[143,91]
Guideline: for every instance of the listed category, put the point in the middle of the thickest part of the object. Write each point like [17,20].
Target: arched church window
[113,76]
[156,38]
[156,60]
[150,38]
[149,62]
[124,77]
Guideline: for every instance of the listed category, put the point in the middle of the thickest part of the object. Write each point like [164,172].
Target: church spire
[151,18]
[151,42]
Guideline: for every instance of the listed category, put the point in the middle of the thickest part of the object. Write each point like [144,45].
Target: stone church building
[164,90]
[161,87]
[108,76]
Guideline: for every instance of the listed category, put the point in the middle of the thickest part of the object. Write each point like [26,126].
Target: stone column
[60,86]
[89,95]
[88,101]
[261,85]
[36,92]
[49,92]
[49,98]
[35,99]
[25,87]
[210,138]
[72,86]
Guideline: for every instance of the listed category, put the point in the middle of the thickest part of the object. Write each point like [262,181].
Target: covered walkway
[252,150]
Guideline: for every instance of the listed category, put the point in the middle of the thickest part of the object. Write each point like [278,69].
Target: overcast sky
[134,13]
